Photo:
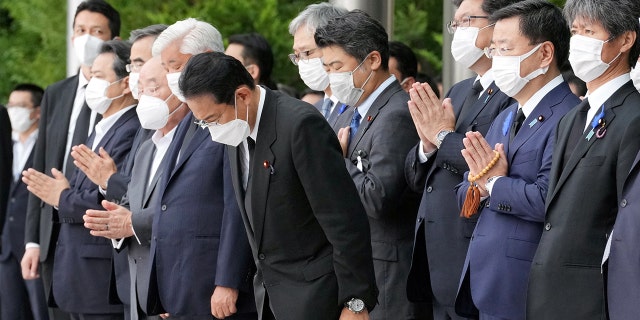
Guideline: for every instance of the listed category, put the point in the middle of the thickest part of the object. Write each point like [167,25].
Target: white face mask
[344,89]
[173,80]
[463,46]
[506,72]
[585,57]
[231,133]
[153,112]
[87,48]
[313,74]
[134,77]
[20,118]
[635,75]
[96,95]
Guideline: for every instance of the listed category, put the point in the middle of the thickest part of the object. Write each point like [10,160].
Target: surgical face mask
[173,80]
[87,48]
[20,118]
[506,72]
[231,133]
[153,112]
[635,76]
[96,95]
[344,89]
[463,46]
[585,56]
[313,74]
[134,77]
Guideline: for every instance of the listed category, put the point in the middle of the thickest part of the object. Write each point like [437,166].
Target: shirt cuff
[424,157]
[490,182]
[135,235]
[117,243]
[103,192]
[30,245]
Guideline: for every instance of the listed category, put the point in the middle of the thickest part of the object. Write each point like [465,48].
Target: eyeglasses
[453,25]
[304,55]
[135,66]
[492,52]
[204,124]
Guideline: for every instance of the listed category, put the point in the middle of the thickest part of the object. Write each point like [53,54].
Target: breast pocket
[592,161]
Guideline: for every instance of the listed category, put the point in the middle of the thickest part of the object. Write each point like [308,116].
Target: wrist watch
[355,305]
[440,137]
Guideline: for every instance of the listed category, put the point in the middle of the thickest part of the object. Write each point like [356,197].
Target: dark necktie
[251,144]
[516,124]
[355,124]
[471,98]
[79,136]
[577,130]
[326,108]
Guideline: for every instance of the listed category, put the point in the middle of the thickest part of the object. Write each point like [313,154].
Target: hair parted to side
[121,50]
[315,16]
[197,37]
[153,30]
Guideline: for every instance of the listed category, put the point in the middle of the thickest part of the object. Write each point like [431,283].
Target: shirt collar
[159,139]
[535,99]
[82,81]
[598,97]
[486,80]
[15,136]
[106,123]
[363,108]
[254,132]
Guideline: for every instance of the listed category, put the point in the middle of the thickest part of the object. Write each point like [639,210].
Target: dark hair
[214,73]
[35,91]
[121,50]
[256,50]
[425,78]
[407,61]
[616,16]
[149,31]
[540,21]
[102,7]
[571,78]
[491,6]
[358,34]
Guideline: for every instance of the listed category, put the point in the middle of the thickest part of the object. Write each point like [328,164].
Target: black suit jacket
[441,235]
[6,155]
[581,207]
[310,238]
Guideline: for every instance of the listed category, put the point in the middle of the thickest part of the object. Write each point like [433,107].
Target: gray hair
[197,37]
[315,16]
[151,31]
[616,16]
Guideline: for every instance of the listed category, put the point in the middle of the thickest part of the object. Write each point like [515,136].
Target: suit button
[429,189]
[623,203]
[13,200]
[164,207]
[10,219]
[261,256]
[547,226]
[420,219]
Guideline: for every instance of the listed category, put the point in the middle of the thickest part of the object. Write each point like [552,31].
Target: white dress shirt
[598,97]
[105,124]
[254,136]
[78,102]
[22,151]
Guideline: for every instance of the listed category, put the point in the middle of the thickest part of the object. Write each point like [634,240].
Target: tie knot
[356,115]
[477,86]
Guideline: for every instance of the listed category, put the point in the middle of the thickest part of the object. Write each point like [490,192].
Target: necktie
[326,108]
[80,134]
[517,123]
[355,123]
[577,131]
[471,98]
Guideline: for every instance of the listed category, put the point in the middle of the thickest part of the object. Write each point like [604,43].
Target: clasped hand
[478,154]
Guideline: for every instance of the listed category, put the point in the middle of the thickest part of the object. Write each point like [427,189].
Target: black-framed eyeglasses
[304,55]
[453,25]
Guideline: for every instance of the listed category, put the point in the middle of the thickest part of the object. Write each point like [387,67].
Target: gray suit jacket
[384,137]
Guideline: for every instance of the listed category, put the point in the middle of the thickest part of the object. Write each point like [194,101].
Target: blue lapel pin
[507,124]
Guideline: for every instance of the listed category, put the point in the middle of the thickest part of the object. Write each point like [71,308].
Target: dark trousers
[84,316]
[19,298]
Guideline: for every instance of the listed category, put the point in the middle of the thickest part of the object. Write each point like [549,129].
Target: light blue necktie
[355,123]
[326,108]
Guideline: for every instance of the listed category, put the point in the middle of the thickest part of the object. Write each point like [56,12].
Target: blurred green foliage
[33,32]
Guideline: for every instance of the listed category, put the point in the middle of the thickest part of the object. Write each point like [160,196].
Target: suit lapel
[198,138]
[262,159]
[477,107]
[60,118]
[585,144]
[139,175]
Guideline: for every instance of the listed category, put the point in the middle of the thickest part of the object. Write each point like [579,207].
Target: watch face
[356,305]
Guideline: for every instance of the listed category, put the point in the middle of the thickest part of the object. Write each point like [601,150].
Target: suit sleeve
[117,186]
[342,217]
[234,261]
[6,154]
[381,184]
[415,172]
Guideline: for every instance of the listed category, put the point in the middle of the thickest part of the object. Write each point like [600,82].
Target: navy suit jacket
[441,235]
[581,208]
[509,228]
[82,264]
[623,282]
[198,238]
[13,230]
[6,155]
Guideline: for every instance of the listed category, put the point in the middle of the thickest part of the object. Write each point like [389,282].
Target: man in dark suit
[596,144]
[494,278]
[85,295]
[133,231]
[435,166]
[376,134]
[65,121]
[20,298]
[309,236]
[623,292]
[5,161]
